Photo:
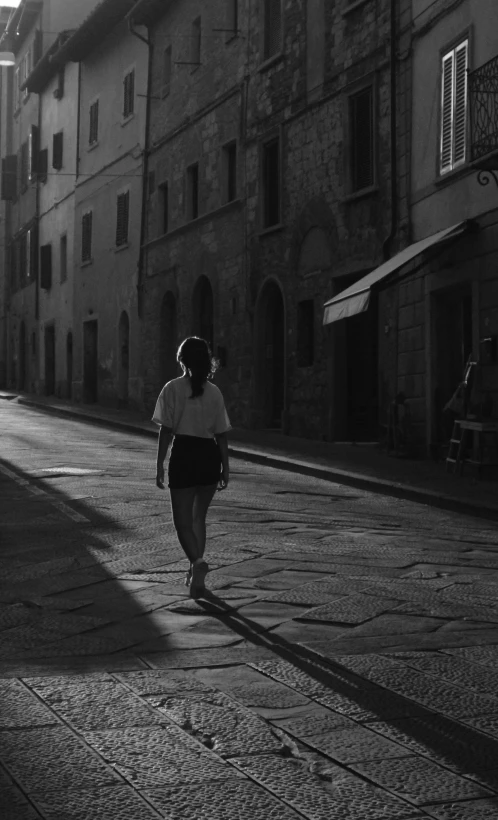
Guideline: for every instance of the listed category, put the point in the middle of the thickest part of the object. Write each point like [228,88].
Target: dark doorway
[203,310]
[90,362]
[168,340]
[69,365]
[355,373]
[272,356]
[22,357]
[124,358]
[50,360]
[452,326]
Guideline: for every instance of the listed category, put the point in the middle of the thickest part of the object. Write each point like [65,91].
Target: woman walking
[192,411]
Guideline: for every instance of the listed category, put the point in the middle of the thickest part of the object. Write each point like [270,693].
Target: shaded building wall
[195,265]
[105,287]
[327,236]
[432,344]
[56,219]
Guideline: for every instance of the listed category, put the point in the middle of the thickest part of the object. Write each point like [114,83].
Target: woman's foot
[199,571]
[188,576]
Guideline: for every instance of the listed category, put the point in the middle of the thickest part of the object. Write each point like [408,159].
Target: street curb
[332,474]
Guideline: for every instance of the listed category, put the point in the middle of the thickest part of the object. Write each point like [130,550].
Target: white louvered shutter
[447,113]
[460,110]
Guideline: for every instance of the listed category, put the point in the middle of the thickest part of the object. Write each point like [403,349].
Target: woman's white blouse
[205,416]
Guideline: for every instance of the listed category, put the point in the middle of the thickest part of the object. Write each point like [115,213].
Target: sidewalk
[364,466]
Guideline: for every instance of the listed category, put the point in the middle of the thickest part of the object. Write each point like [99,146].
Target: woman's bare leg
[182,505]
[202,500]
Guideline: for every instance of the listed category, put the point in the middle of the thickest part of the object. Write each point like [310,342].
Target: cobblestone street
[344,665]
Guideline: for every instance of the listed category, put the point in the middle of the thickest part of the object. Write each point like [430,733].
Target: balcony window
[272,28]
[453,138]
[361,140]
[122,218]
[483,101]
[86,237]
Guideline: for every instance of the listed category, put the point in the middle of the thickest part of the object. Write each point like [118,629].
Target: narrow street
[343,667]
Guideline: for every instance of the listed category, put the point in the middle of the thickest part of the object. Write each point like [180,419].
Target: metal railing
[483,100]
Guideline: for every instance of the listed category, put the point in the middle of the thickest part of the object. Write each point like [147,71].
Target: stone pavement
[344,665]
[366,466]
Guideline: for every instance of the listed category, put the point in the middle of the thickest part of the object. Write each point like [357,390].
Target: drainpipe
[145,168]
[387,246]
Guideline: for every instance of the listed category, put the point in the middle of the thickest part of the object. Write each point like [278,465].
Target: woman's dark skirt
[193,462]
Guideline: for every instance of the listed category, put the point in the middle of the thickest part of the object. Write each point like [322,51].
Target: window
[59,90]
[454,108]
[195,42]
[93,131]
[271,183]
[122,215]
[33,152]
[24,166]
[32,253]
[129,94]
[22,257]
[167,62]
[63,257]
[26,66]
[232,18]
[57,150]
[46,266]
[163,195]
[17,88]
[193,191]
[86,237]
[305,333]
[272,28]
[230,171]
[361,139]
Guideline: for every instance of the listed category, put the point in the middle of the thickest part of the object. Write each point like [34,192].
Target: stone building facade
[304,95]
[446,308]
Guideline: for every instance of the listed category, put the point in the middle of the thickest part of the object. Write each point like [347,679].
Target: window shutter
[86,237]
[447,113]
[24,166]
[460,115]
[57,150]
[46,267]
[9,177]
[43,165]
[129,94]
[122,218]
[33,152]
[32,253]
[273,27]
[94,123]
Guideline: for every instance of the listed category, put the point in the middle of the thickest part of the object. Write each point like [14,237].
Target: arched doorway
[69,365]
[168,340]
[203,310]
[124,358]
[22,356]
[271,356]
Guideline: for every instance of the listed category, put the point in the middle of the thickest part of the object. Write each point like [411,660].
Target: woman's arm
[162,449]
[222,440]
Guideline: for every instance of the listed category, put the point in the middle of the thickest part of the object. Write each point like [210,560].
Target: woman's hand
[224,478]
[160,477]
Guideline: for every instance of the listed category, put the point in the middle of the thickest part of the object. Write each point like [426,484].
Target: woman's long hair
[195,358]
